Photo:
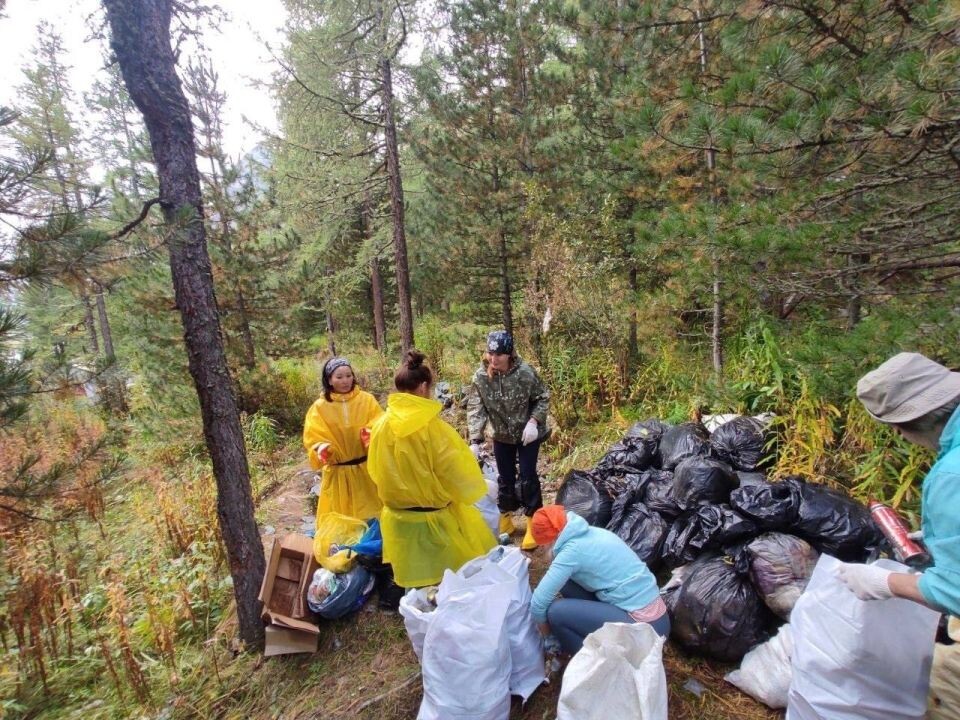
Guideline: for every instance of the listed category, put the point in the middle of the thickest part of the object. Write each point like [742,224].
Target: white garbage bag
[508,565]
[618,673]
[417,613]
[466,653]
[487,505]
[855,659]
[764,674]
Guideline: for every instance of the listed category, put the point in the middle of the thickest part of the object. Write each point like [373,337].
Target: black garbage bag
[658,493]
[702,480]
[828,519]
[745,479]
[617,480]
[833,522]
[638,526]
[773,506]
[715,611]
[682,441]
[651,430]
[706,527]
[780,567]
[740,443]
[635,454]
[580,493]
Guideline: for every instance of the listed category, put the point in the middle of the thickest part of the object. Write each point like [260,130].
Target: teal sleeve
[940,584]
[560,570]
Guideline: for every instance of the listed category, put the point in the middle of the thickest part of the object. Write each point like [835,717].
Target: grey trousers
[577,613]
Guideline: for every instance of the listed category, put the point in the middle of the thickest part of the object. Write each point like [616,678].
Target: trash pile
[741,548]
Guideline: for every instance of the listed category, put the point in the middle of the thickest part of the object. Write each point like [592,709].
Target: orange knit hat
[547,523]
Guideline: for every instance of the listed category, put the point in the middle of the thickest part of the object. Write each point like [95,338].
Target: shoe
[528,542]
[506,524]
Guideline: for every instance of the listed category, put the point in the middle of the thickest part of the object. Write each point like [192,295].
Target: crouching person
[599,578]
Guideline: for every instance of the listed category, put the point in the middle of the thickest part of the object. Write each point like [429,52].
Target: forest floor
[366,668]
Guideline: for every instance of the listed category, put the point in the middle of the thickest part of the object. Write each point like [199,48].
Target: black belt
[355,461]
[423,509]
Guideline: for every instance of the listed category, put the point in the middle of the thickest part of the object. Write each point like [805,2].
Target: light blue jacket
[940,510]
[598,561]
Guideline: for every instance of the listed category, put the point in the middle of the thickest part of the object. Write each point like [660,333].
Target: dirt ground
[366,668]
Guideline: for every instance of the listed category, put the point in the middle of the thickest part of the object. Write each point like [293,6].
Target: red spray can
[897,533]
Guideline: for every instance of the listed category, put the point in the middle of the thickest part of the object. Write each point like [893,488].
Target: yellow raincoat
[418,461]
[345,489]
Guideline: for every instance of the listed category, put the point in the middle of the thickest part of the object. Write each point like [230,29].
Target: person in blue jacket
[600,580]
[920,398]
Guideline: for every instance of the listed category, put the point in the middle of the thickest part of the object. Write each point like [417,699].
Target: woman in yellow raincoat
[428,481]
[331,434]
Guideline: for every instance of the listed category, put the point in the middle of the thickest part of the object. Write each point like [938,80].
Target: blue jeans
[578,613]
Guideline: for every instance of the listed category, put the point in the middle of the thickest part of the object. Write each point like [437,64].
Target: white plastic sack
[618,673]
[764,674]
[487,505]
[417,613]
[509,566]
[466,653]
[855,659]
[945,677]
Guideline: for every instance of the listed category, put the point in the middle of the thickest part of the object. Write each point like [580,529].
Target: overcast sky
[237,52]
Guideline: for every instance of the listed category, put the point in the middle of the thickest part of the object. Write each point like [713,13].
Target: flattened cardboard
[284,641]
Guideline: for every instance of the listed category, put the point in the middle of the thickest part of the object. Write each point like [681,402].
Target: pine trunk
[395,184]
[379,321]
[105,331]
[89,323]
[140,38]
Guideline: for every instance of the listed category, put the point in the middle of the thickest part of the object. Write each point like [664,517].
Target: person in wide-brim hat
[920,399]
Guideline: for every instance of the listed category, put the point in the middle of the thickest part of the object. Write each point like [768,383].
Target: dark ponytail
[412,373]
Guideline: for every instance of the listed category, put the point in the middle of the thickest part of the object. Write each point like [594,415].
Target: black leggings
[513,495]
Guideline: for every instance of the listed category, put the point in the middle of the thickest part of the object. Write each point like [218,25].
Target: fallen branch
[354,710]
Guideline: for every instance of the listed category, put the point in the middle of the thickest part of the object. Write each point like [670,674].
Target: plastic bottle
[897,533]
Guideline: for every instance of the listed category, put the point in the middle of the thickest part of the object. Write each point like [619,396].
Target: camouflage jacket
[507,402]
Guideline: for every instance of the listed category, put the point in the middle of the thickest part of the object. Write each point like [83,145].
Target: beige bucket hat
[906,387]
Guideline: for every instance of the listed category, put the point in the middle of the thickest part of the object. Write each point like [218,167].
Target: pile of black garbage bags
[741,548]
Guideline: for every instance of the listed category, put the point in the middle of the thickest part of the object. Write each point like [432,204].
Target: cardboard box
[284,641]
[290,569]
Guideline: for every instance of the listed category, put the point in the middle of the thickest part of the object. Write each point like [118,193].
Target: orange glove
[365,437]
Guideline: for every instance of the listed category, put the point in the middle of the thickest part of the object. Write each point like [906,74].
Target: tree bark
[105,331]
[246,335]
[395,184]
[89,322]
[716,332]
[140,38]
[379,320]
[503,260]
[633,349]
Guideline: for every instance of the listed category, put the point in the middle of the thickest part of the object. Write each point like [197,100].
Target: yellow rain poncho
[420,462]
[345,489]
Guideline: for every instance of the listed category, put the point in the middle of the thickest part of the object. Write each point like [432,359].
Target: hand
[544,628]
[322,451]
[476,448]
[868,582]
[530,432]
[365,437]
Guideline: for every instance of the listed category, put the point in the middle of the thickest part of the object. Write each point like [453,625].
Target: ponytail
[412,372]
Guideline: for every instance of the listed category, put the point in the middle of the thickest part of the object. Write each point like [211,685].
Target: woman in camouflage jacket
[508,393]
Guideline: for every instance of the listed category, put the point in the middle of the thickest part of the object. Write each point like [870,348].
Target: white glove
[476,449]
[530,432]
[868,582]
